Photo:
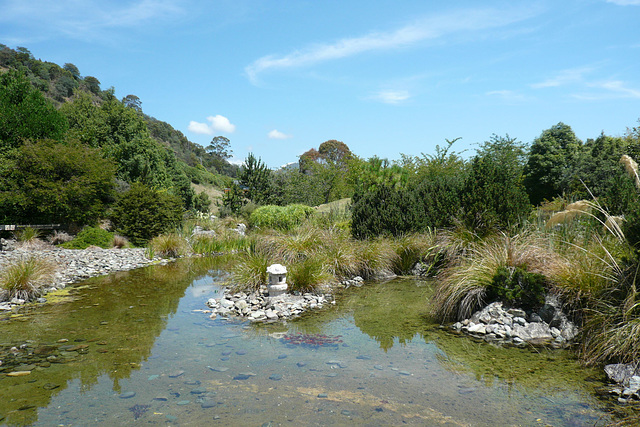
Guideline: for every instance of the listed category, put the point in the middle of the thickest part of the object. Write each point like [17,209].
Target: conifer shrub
[90,236]
[142,213]
[517,287]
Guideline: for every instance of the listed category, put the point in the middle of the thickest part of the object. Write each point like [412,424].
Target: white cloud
[564,77]
[218,123]
[620,87]
[87,18]
[429,28]
[276,134]
[507,95]
[199,128]
[221,123]
[625,2]
[392,96]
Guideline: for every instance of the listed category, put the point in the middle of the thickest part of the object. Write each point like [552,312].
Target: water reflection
[139,349]
[108,327]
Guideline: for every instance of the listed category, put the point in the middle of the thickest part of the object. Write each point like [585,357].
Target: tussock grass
[169,245]
[250,270]
[25,278]
[374,257]
[27,234]
[120,242]
[413,248]
[307,275]
[59,237]
[464,282]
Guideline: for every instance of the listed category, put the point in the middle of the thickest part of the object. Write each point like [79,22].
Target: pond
[136,348]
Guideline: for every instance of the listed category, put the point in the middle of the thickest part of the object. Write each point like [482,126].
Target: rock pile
[627,379]
[258,307]
[495,323]
[74,265]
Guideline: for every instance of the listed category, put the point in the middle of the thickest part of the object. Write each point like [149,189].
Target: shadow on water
[111,321]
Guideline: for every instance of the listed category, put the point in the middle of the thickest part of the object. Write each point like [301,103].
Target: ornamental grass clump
[25,278]
[412,249]
[375,257]
[307,275]
[250,270]
[492,262]
[170,245]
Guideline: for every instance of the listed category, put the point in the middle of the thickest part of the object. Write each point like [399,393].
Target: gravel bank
[74,265]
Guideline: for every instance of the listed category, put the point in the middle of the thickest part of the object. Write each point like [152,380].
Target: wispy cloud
[429,28]
[625,2]
[276,134]
[612,89]
[507,95]
[86,18]
[217,123]
[564,77]
[392,96]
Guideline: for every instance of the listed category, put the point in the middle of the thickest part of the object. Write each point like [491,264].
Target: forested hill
[68,147]
[60,84]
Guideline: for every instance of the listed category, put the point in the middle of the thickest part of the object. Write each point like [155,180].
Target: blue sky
[385,77]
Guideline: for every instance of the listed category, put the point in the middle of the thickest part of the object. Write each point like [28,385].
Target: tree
[143,213]
[308,159]
[132,101]
[255,176]
[93,84]
[335,151]
[550,168]
[25,113]
[75,72]
[48,182]
[494,195]
[219,147]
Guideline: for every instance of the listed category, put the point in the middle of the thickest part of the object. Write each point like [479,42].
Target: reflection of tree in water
[397,310]
[118,316]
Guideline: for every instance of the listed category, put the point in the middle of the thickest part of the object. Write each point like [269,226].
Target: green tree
[49,182]
[132,101]
[550,169]
[494,195]
[335,151]
[93,84]
[233,199]
[75,72]
[219,147]
[255,176]
[25,113]
[142,213]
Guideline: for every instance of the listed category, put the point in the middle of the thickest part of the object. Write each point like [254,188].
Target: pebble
[183,402]
[378,367]
[218,368]
[152,377]
[322,395]
[282,356]
[176,374]
[127,395]
[275,377]
[241,377]
[208,403]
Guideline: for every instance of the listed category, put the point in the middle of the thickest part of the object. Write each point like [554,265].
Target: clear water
[140,351]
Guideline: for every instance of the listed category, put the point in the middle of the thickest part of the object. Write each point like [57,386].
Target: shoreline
[75,265]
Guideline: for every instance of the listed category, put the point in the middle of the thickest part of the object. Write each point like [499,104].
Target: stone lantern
[277,280]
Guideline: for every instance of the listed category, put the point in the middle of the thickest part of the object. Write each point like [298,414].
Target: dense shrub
[383,210]
[280,217]
[517,287]
[50,182]
[91,236]
[143,213]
